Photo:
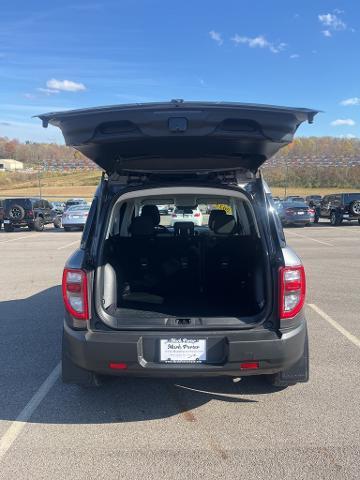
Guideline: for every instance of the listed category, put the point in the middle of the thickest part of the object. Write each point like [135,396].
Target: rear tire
[335,219]
[298,373]
[8,228]
[39,224]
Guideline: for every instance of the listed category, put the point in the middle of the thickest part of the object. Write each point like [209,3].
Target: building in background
[10,165]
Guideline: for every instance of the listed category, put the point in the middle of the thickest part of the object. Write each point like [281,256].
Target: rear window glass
[23,202]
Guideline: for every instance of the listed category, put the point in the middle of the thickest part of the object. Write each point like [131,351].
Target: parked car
[58,207]
[75,217]
[313,200]
[187,214]
[74,201]
[188,302]
[339,207]
[295,213]
[163,209]
[294,198]
[33,213]
[1,213]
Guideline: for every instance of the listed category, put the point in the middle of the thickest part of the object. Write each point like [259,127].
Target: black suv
[147,296]
[33,213]
[1,213]
[339,207]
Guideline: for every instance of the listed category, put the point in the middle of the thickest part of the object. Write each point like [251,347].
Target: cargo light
[292,290]
[75,293]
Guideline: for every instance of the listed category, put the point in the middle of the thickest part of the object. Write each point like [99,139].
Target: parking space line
[68,245]
[20,238]
[21,420]
[335,324]
[312,239]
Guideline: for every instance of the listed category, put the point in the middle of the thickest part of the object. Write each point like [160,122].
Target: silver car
[75,217]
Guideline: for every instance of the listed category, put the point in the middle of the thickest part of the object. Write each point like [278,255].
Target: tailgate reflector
[249,365]
[118,366]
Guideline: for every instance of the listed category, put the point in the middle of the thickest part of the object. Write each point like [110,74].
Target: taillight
[197,214]
[311,211]
[29,213]
[75,293]
[289,210]
[292,291]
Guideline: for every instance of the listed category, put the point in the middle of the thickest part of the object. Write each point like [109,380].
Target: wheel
[335,219]
[295,374]
[8,227]
[57,223]
[16,212]
[354,207]
[39,224]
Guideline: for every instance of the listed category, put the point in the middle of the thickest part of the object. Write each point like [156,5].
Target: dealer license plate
[183,350]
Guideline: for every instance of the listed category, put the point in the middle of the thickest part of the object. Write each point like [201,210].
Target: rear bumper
[95,350]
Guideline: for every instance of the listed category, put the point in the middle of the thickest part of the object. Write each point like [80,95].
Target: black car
[222,298]
[339,207]
[313,200]
[33,213]
[1,213]
[294,213]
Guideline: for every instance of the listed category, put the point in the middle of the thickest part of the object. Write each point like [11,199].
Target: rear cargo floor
[188,306]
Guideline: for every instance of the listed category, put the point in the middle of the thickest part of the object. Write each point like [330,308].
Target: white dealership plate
[183,350]
[6,221]
[300,213]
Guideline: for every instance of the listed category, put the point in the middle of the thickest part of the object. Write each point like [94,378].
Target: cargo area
[202,258]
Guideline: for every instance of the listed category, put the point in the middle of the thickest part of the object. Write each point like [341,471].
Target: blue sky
[75,54]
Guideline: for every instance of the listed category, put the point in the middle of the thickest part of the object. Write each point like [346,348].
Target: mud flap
[298,373]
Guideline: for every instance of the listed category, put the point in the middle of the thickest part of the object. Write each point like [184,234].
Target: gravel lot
[150,429]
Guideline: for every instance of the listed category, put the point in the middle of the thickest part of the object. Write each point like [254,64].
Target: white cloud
[350,135]
[65,85]
[343,121]
[29,96]
[326,33]
[217,37]
[260,41]
[332,21]
[350,101]
[48,91]
[295,55]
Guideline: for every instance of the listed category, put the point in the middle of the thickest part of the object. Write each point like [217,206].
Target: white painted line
[68,245]
[335,324]
[20,422]
[20,238]
[312,239]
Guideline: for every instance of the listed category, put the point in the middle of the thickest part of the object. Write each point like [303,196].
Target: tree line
[316,154]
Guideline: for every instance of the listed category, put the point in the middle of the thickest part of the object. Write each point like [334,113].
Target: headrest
[151,211]
[141,227]
[184,229]
[213,215]
[224,224]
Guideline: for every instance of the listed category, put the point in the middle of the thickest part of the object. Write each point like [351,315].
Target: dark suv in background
[339,207]
[33,213]
[1,213]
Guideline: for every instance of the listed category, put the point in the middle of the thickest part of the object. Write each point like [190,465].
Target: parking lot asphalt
[149,429]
